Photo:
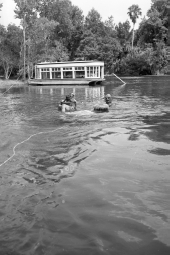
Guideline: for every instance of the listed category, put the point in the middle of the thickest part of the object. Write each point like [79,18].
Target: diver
[68,104]
[108,99]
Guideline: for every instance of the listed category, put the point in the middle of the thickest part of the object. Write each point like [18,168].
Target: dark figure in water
[108,99]
[68,104]
[104,107]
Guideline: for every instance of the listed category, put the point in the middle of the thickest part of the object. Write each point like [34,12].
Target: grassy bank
[8,83]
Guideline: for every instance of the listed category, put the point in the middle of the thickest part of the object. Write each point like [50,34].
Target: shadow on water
[86,183]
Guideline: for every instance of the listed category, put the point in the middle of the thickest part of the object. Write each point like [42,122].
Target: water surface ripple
[86,183]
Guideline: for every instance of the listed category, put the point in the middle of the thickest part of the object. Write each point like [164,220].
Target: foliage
[134,12]
[153,28]
[93,22]
[10,45]
[77,19]
[123,32]
[89,47]
[56,30]
[69,18]
[40,35]
[110,50]
[151,60]
[110,27]
[26,10]
[99,41]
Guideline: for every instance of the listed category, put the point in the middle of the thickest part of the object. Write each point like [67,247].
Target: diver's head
[72,95]
[68,97]
[108,95]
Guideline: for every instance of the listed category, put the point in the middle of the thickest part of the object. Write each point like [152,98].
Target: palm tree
[134,13]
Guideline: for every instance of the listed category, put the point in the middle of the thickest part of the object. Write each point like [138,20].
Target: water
[86,183]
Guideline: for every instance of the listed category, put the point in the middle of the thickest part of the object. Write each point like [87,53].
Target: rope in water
[119,79]
[14,148]
[8,89]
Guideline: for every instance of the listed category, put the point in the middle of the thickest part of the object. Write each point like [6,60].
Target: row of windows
[92,71]
[67,68]
[80,68]
[89,68]
[45,69]
[56,69]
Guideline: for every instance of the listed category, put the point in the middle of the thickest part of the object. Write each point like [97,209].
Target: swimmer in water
[108,99]
[68,104]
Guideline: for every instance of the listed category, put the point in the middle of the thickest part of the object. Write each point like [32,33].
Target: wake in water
[80,113]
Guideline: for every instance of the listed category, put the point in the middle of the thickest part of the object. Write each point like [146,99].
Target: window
[67,74]
[96,71]
[67,68]
[79,68]
[45,73]
[45,69]
[90,71]
[79,72]
[56,73]
[93,71]
[56,69]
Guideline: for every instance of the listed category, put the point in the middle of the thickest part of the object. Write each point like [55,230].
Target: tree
[89,47]
[151,29]
[70,20]
[123,32]
[10,45]
[77,19]
[59,11]
[154,28]
[161,7]
[93,22]
[39,42]
[110,27]
[159,58]
[109,49]
[26,11]
[158,18]
[134,13]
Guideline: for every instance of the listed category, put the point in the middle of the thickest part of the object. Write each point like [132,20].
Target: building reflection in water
[90,93]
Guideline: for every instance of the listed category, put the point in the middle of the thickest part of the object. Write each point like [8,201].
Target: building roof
[68,62]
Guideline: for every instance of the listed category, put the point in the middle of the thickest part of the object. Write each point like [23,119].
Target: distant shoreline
[16,83]
[7,83]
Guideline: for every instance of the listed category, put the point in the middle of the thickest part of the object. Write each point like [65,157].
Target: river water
[86,183]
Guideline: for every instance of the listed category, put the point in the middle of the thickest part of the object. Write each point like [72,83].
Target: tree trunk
[6,68]
[24,45]
[9,72]
[133,31]
[6,74]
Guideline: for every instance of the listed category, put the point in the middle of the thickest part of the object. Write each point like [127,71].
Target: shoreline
[20,83]
[8,83]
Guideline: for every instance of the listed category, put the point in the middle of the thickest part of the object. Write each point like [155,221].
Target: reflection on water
[88,92]
[86,183]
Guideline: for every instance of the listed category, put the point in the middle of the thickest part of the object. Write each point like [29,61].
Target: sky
[117,8]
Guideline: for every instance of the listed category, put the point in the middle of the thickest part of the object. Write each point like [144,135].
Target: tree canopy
[56,30]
